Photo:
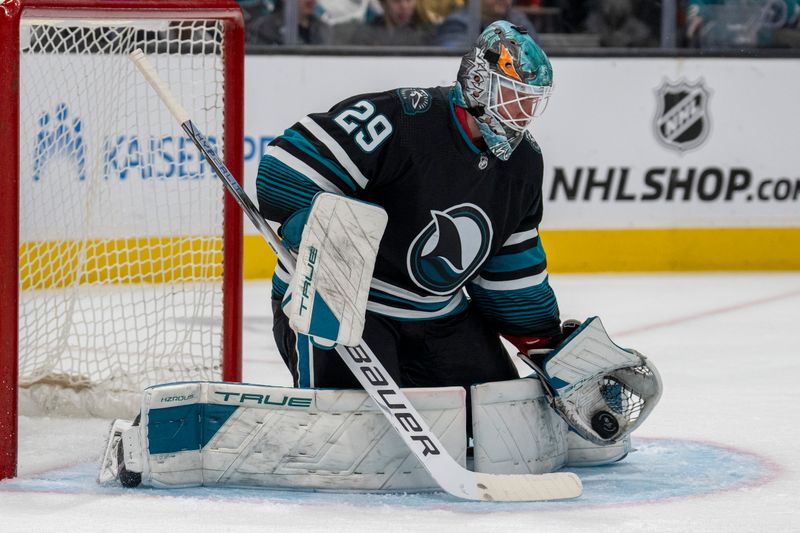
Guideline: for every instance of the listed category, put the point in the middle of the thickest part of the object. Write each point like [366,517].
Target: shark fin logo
[450,248]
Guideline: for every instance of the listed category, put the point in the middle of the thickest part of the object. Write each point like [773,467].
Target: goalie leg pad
[225,434]
[517,432]
[584,453]
[514,429]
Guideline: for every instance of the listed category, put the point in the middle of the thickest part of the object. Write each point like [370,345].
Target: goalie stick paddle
[371,374]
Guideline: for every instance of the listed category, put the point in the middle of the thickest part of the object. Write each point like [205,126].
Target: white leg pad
[584,453]
[515,431]
[133,452]
[258,436]
[224,434]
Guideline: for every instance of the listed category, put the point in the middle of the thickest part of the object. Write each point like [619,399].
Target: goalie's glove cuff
[541,344]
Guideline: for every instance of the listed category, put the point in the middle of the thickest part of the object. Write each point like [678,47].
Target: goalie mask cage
[121,252]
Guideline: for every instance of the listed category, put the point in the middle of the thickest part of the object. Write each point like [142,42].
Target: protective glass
[514,103]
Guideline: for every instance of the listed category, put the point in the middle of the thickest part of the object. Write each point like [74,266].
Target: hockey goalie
[412,218]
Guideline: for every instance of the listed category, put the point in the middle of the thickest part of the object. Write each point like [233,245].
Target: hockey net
[129,269]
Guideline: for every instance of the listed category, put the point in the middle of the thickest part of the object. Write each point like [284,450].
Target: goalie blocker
[328,292]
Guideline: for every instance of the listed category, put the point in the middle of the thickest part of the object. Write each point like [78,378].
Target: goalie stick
[371,374]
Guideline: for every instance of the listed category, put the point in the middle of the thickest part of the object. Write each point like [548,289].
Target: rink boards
[651,164]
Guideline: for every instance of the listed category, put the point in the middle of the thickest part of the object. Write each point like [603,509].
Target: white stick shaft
[152,77]
[238,194]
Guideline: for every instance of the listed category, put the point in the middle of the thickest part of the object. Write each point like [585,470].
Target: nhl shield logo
[682,120]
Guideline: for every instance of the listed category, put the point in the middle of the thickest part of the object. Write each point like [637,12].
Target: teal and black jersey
[463,225]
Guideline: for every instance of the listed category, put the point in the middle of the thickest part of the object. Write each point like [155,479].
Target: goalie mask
[504,81]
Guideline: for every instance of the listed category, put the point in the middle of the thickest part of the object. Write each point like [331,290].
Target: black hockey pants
[458,350]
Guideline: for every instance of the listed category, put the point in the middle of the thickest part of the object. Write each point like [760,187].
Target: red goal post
[120,305]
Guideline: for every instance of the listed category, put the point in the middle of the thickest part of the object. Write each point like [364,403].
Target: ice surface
[718,454]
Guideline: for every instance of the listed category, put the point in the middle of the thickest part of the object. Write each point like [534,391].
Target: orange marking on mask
[506,63]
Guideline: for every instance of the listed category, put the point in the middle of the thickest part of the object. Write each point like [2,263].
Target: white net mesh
[121,222]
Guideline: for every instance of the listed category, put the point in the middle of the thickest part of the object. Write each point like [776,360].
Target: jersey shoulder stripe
[336,149]
[301,167]
[298,144]
[483,282]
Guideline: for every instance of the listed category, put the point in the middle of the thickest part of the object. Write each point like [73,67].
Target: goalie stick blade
[527,488]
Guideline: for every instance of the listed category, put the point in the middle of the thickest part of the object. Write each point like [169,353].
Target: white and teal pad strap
[336,259]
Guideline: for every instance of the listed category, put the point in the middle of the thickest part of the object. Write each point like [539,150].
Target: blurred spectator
[617,25]
[263,26]
[453,32]
[253,13]
[399,25]
[342,11]
[574,13]
[434,11]
[741,23]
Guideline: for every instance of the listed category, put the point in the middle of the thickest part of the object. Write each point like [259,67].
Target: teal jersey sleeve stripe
[292,228]
[531,310]
[280,186]
[302,143]
[517,261]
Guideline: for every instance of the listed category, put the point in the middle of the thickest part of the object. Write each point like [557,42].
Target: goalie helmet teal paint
[504,81]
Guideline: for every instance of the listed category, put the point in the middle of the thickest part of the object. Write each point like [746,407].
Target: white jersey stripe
[394,312]
[288,159]
[405,294]
[522,236]
[510,285]
[336,149]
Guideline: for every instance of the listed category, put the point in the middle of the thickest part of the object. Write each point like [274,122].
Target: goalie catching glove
[602,391]
[328,292]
